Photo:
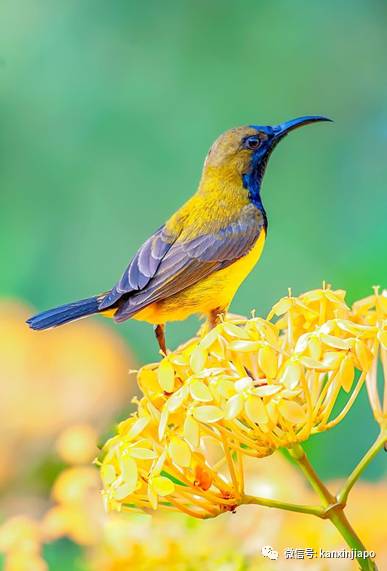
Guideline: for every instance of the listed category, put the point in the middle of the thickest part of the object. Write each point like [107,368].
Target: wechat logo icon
[268,551]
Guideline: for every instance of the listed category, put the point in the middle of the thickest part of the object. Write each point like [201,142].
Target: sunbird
[196,261]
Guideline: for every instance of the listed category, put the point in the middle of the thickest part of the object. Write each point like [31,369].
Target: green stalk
[367,458]
[333,508]
[300,508]
[299,455]
[339,520]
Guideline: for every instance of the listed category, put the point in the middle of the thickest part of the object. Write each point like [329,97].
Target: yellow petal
[180,452]
[354,328]
[314,347]
[234,331]
[198,359]
[176,400]
[327,327]
[332,359]
[166,376]
[138,427]
[129,475]
[156,469]
[208,413]
[382,337]
[178,360]
[210,338]
[364,304]
[292,374]
[383,302]
[266,390]
[282,306]
[346,373]
[163,422]
[192,431]
[225,388]
[255,410]
[243,384]
[311,296]
[219,347]
[302,343]
[200,392]
[162,486]
[291,411]
[142,453]
[336,296]
[267,330]
[312,363]
[152,497]
[234,407]
[147,378]
[272,411]
[267,360]
[153,411]
[363,354]
[244,346]
[128,469]
[108,474]
[213,450]
[336,342]
[291,394]
[123,491]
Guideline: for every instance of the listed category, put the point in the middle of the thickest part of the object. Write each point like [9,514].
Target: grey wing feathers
[186,263]
[142,267]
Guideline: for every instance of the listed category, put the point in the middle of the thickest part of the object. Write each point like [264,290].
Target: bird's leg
[160,336]
[214,317]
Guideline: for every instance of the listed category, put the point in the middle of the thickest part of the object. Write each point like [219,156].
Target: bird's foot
[215,316]
[160,336]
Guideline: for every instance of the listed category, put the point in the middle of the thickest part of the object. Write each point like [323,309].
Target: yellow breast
[215,291]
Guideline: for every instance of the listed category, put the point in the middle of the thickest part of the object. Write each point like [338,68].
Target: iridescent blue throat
[253,179]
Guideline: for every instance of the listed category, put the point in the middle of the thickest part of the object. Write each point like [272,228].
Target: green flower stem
[300,508]
[333,508]
[367,458]
[299,455]
[339,520]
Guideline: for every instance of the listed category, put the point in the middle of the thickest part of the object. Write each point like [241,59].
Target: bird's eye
[252,143]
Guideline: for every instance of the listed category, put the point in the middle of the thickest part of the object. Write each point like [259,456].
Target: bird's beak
[284,128]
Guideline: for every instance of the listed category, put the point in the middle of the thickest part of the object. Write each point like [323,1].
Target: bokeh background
[107,110]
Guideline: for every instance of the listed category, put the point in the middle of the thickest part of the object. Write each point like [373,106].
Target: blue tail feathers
[65,313]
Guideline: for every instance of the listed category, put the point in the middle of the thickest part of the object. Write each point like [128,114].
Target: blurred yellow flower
[20,540]
[201,439]
[77,444]
[52,380]
[76,511]
[166,543]
[244,389]
[173,542]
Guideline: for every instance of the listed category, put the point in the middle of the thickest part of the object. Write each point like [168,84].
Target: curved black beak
[283,129]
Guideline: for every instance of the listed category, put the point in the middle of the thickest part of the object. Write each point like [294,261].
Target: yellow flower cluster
[245,388]
[166,542]
[372,312]
[76,511]
[48,382]
[20,541]
[119,542]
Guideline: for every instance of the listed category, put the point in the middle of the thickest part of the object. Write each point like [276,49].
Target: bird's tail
[65,313]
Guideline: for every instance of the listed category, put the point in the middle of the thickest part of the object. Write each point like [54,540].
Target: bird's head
[244,151]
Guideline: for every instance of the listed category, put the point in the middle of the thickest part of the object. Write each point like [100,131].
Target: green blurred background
[107,110]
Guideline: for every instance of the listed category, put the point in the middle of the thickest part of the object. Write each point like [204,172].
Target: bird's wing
[142,267]
[186,263]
